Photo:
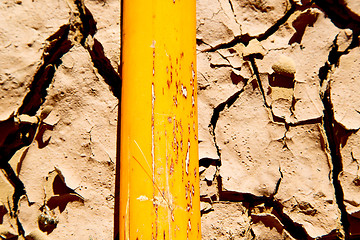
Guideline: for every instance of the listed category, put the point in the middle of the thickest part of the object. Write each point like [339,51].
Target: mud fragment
[253,49]
[343,88]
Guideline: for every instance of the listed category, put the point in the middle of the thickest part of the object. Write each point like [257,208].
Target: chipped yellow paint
[159,180]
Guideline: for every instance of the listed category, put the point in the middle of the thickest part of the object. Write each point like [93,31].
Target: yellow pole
[159,178]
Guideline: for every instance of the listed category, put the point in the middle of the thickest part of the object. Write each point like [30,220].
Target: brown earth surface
[278,118]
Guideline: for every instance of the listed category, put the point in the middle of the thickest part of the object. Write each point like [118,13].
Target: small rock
[285,66]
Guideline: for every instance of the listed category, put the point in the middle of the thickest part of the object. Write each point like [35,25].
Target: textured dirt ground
[278,118]
[61,56]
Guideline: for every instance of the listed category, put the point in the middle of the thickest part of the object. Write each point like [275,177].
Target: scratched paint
[159,149]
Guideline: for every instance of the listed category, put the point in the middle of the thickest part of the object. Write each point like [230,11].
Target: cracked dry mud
[278,118]
[59,90]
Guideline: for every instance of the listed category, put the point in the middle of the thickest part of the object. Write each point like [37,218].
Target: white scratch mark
[184,91]
[142,153]
[153,44]
[143,198]
[187,160]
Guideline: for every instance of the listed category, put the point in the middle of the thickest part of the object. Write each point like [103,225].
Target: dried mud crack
[251,201]
[335,133]
[18,133]
[277,161]
[58,45]
[246,38]
[256,72]
[334,148]
[301,19]
[216,114]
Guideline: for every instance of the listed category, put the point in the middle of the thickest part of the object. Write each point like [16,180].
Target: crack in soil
[216,114]
[334,149]
[270,31]
[245,39]
[58,45]
[81,28]
[329,124]
[232,9]
[258,79]
[342,18]
[296,230]
[332,129]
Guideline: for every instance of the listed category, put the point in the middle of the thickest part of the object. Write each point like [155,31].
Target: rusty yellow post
[159,178]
